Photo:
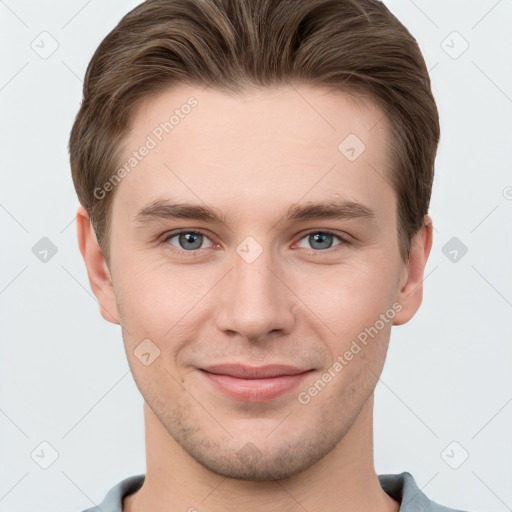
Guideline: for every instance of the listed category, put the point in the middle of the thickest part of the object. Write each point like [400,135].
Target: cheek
[163,303]
[353,297]
[341,300]
[148,299]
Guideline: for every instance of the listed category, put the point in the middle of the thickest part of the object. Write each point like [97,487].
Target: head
[252,114]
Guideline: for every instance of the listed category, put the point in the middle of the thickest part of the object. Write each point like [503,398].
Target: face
[253,234]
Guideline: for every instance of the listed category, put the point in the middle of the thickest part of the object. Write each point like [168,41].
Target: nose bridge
[255,301]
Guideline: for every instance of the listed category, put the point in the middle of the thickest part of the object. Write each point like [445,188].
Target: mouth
[254,384]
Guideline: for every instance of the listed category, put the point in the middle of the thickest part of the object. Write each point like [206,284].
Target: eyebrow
[163,209]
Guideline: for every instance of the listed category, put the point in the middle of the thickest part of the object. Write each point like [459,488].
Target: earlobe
[410,294]
[97,268]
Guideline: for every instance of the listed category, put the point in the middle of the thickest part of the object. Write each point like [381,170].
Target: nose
[255,300]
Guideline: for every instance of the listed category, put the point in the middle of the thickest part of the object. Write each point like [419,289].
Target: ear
[97,268]
[410,295]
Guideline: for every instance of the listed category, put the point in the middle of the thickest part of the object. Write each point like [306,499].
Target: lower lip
[255,390]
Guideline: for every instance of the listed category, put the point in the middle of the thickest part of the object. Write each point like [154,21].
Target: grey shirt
[401,488]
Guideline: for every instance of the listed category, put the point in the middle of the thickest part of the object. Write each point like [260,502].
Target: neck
[343,480]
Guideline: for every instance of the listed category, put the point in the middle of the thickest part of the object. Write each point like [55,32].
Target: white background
[64,376]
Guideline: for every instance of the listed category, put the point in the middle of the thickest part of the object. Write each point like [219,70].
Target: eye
[322,240]
[192,241]
[187,240]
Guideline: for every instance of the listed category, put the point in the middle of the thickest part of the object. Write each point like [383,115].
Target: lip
[254,372]
[254,384]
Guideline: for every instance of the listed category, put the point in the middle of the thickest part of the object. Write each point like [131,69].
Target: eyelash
[317,252]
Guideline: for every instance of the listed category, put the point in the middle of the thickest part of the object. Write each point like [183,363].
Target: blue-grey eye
[321,240]
[188,240]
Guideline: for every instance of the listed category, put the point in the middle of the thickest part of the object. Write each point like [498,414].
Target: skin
[251,157]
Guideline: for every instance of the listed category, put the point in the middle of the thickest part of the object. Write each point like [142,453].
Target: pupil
[188,238]
[321,238]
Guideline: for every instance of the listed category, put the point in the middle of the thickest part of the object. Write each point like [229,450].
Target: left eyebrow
[336,210]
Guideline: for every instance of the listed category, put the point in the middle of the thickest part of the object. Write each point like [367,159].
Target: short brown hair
[344,45]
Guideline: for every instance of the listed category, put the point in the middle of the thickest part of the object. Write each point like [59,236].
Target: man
[254,179]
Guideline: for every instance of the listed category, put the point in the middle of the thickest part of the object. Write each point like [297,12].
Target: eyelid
[344,240]
[171,234]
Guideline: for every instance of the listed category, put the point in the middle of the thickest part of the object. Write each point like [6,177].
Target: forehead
[265,147]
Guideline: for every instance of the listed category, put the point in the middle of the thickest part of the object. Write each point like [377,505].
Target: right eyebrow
[167,210]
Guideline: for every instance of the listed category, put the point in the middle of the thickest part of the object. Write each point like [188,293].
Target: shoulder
[403,488]
[113,500]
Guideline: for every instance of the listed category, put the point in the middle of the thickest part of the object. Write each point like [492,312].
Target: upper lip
[253,372]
